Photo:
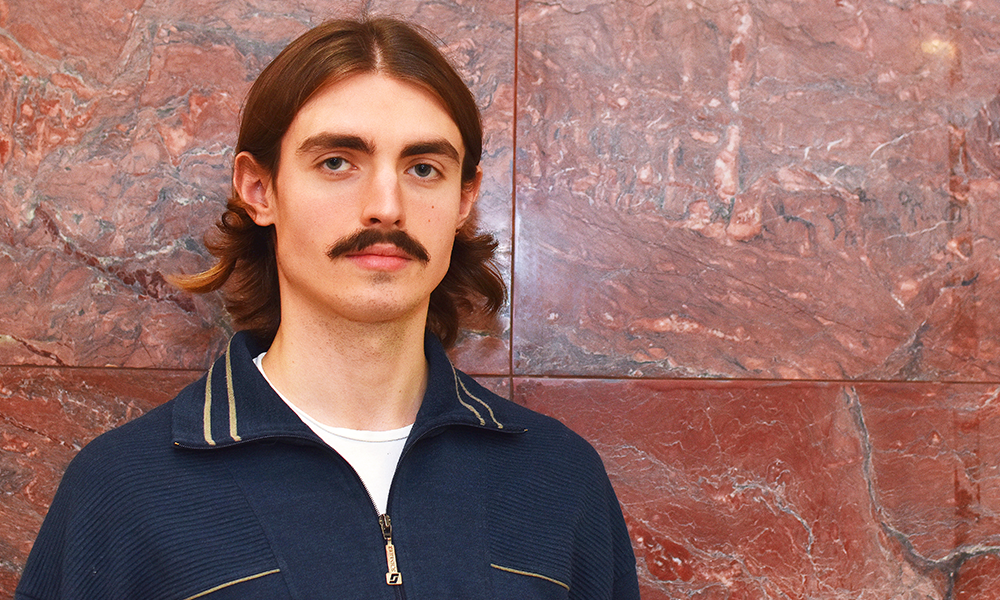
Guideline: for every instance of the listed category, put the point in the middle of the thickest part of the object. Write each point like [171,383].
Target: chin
[379,310]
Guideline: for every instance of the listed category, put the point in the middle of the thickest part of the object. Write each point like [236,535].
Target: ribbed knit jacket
[224,493]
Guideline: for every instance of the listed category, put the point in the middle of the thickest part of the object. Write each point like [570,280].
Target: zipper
[392,575]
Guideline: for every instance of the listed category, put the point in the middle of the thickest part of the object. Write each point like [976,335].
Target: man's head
[327,58]
[333,52]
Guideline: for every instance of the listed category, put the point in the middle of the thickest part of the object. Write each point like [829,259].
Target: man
[333,451]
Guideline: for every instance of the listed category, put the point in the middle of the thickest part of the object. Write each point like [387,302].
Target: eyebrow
[329,141]
[442,147]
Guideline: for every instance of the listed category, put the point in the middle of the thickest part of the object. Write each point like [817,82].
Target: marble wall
[752,246]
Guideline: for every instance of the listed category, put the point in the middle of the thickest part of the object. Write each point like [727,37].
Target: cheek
[437,220]
[450,211]
[438,238]
[306,233]
[441,233]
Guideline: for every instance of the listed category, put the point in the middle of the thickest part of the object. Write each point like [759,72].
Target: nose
[383,202]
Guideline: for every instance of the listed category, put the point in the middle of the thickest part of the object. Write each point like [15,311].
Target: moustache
[364,238]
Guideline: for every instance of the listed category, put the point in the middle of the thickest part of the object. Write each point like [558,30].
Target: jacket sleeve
[45,575]
[80,550]
[604,562]
[626,585]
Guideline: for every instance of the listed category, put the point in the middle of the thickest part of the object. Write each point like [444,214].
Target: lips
[375,243]
[380,257]
[383,250]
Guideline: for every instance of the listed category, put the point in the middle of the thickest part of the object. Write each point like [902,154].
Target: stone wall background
[752,246]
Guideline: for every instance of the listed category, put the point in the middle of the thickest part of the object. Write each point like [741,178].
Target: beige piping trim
[232,396]
[234,582]
[207,415]
[517,572]
[458,382]
[458,394]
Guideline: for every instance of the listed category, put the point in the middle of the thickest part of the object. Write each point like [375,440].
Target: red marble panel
[794,490]
[935,451]
[498,385]
[979,579]
[46,416]
[789,190]
[115,150]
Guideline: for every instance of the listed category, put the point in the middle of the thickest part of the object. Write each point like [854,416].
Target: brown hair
[329,53]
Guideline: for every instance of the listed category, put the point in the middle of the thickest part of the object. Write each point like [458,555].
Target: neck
[354,375]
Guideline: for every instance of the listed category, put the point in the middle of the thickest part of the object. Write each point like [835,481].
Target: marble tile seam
[748,380]
[554,377]
[107,368]
[513,190]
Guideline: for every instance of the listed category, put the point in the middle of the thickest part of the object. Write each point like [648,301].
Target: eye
[424,171]
[336,163]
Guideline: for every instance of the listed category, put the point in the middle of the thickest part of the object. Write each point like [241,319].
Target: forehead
[381,108]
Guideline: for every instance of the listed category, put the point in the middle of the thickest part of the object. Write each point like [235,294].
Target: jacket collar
[233,403]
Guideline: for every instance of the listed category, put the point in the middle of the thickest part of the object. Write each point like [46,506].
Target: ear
[470,194]
[252,183]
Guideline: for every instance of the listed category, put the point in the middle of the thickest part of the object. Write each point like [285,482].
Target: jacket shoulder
[549,490]
[129,518]
[545,438]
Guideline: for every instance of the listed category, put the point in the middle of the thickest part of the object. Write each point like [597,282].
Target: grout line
[105,368]
[732,380]
[513,195]
[561,377]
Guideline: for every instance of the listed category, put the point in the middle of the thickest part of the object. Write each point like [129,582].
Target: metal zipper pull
[393,576]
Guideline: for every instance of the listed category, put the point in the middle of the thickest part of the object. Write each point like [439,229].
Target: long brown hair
[245,252]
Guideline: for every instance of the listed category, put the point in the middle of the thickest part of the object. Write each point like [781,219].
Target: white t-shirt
[372,454]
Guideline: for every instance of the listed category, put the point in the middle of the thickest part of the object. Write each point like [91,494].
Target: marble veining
[795,490]
[757,190]
[116,147]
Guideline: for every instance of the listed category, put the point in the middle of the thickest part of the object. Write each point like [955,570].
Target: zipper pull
[393,576]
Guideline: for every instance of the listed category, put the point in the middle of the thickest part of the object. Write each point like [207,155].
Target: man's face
[366,202]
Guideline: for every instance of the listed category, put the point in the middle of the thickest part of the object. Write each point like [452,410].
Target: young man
[333,451]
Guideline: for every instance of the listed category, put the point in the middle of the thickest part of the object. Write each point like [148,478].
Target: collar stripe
[211,417]
[231,397]
[231,394]
[207,414]
[458,393]
[483,402]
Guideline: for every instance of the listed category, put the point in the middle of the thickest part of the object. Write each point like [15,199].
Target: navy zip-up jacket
[224,493]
